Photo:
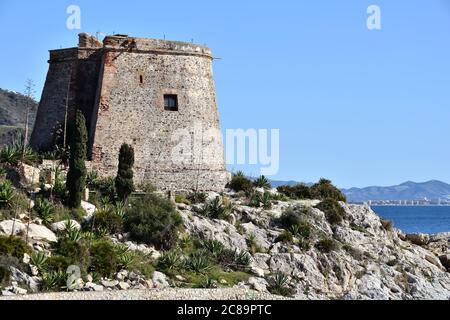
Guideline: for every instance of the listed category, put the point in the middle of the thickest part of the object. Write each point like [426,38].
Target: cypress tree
[76,177]
[124,179]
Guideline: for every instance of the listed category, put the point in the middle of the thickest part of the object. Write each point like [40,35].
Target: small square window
[171,102]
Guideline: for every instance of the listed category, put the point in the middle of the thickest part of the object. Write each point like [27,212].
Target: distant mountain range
[431,190]
[12,115]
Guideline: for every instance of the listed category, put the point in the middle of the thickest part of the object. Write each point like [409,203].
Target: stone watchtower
[155,95]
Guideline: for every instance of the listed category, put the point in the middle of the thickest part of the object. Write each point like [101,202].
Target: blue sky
[357,106]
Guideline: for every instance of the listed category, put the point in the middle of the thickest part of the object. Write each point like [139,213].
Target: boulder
[258,284]
[109,284]
[24,279]
[7,226]
[160,280]
[89,208]
[123,285]
[30,174]
[445,260]
[41,233]
[61,225]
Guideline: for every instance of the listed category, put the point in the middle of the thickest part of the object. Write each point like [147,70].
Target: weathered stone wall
[133,112]
[72,80]
[120,88]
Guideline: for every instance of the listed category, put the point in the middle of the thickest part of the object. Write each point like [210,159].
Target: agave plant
[278,284]
[170,260]
[101,232]
[6,193]
[199,262]
[119,209]
[121,249]
[262,182]
[10,155]
[242,260]
[239,174]
[45,210]
[71,232]
[38,259]
[105,203]
[216,210]
[53,281]
[212,246]
[126,259]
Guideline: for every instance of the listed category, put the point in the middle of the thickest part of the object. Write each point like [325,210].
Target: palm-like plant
[38,259]
[170,260]
[199,262]
[119,209]
[212,246]
[262,182]
[278,284]
[6,193]
[216,210]
[45,210]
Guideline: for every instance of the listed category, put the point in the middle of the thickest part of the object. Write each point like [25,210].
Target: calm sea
[411,219]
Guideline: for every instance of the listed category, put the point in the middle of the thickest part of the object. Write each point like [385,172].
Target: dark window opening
[141,79]
[171,102]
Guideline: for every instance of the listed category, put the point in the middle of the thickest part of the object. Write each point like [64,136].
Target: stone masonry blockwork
[120,86]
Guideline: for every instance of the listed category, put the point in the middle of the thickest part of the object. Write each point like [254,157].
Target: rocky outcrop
[368,261]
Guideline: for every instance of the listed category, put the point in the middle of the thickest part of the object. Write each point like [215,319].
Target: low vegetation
[333,211]
[153,220]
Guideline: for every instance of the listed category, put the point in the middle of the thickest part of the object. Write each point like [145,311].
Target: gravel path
[155,294]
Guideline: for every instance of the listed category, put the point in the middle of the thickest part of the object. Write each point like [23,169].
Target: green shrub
[124,180]
[169,260]
[6,194]
[299,191]
[214,247]
[45,210]
[181,198]
[215,209]
[326,245]
[54,280]
[285,237]
[57,263]
[262,182]
[104,259]
[153,220]
[5,275]
[324,189]
[278,285]
[15,153]
[106,187]
[257,200]
[39,260]
[197,197]
[76,251]
[233,259]
[108,219]
[240,183]
[13,246]
[304,245]
[198,262]
[76,177]
[302,229]
[333,211]
[294,222]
